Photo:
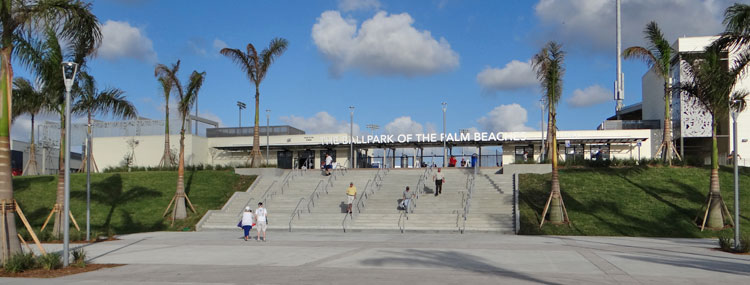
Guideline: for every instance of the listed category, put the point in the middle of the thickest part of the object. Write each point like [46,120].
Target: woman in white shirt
[247,221]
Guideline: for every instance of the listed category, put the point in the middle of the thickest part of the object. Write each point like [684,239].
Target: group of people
[257,219]
[452,162]
[406,197]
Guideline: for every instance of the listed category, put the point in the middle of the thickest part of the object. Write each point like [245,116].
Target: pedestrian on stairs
[405,201]
[351,194]
[261,219]
[247,221]
[439,179]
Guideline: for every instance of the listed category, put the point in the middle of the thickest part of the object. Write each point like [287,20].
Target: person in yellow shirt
[351,193]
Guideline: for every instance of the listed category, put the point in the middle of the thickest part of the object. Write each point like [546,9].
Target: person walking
[439,179]
[247,221]
[406,199]
[261,219]
[329,161]
[351,194]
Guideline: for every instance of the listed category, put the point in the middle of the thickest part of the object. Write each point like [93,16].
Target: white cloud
[590,24]
[353,5]
[197,46]
[121,40]
[321,123]
[589,96]
[404,125]
[219,44]
[515,75]
[21,128]
[383,45]
[212,117]
[505,118]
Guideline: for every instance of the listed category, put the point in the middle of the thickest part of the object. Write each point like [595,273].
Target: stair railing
[315,194]
[268,194]
[295,212]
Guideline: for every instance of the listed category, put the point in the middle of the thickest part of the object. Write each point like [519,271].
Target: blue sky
[396,68]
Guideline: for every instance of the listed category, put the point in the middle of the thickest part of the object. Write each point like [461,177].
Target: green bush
[744,244]
[20,262]
[726,243]
[79,257]
[50,261]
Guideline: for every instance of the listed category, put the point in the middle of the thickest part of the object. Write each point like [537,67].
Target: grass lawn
[127,202]
[650,202]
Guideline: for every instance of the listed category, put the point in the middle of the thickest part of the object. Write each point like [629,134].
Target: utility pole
[620,79]
[351,136]
[445,136]
[241,106]
[268,129]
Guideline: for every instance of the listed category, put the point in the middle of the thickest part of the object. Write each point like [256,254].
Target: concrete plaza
[223,257]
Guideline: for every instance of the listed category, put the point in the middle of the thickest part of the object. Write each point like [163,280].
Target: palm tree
[737,26]
[548,64]
[92,101]
[28,99]
[712,84]
[659,56]
[185,98]
[255,67]
[21,19]
[167,160]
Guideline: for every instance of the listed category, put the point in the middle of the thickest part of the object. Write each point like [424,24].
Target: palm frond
[268,55]
[170,73]
[642,54]
[245,62]
[737,19]
[194,85]
[738,100]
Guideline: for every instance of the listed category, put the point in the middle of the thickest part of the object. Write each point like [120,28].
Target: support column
[479,159]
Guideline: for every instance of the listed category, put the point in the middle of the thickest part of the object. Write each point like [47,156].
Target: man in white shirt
[439,179]
[261,217]
[329,160]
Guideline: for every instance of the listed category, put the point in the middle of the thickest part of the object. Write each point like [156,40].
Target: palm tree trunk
[31,165]
[57,229]
[715,219]
[166,158]
[549,135]
[556,209]
[668,147]
[179,208]
[12,245]
[255,156]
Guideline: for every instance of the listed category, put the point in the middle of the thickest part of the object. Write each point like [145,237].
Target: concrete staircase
[288,198]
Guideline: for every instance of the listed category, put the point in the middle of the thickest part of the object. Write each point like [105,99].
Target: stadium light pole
[735,114]
[268,130]
[351,136]
[69,75]
[445,153]
[241,106]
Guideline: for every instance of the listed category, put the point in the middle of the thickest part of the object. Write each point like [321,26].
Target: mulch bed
[44,273]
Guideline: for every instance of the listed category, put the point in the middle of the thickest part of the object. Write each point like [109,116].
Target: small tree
[712,84]
[167,159]
[255,67]
[548,64]
[659,57]
[185,98]
[28,99]
[92,101]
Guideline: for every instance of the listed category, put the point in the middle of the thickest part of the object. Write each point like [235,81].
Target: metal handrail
[246,205]
[363,196]
[285,181]
[402,221]
[264,197]
[295,212]
[470,181]
[314,193]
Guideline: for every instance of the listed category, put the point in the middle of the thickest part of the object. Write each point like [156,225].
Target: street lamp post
[241,106]
[735,114]
[445,153]
[351,136]
[89,150]
[69,74]
[268,129]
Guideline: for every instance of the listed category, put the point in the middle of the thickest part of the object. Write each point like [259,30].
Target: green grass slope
[649,202]
[127,202]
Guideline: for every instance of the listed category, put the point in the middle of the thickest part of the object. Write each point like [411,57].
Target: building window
[574,153]
[599,152]
[524,154]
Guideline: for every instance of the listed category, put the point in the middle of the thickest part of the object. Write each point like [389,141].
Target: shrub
[79,257]
[20,262]
[744,244]
[726,243]
[50,261]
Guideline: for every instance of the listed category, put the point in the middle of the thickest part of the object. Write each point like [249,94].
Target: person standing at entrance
[261,218]
[329,161]
[439,179]
[351,194]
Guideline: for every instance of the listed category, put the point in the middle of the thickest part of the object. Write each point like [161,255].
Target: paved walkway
[366,258]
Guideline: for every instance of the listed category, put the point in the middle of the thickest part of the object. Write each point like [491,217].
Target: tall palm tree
[92,102]
[255,67]
[167,159]
[548,64]
[712,84]
[28,99]
[659,56]
[186,97]
[21,19]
